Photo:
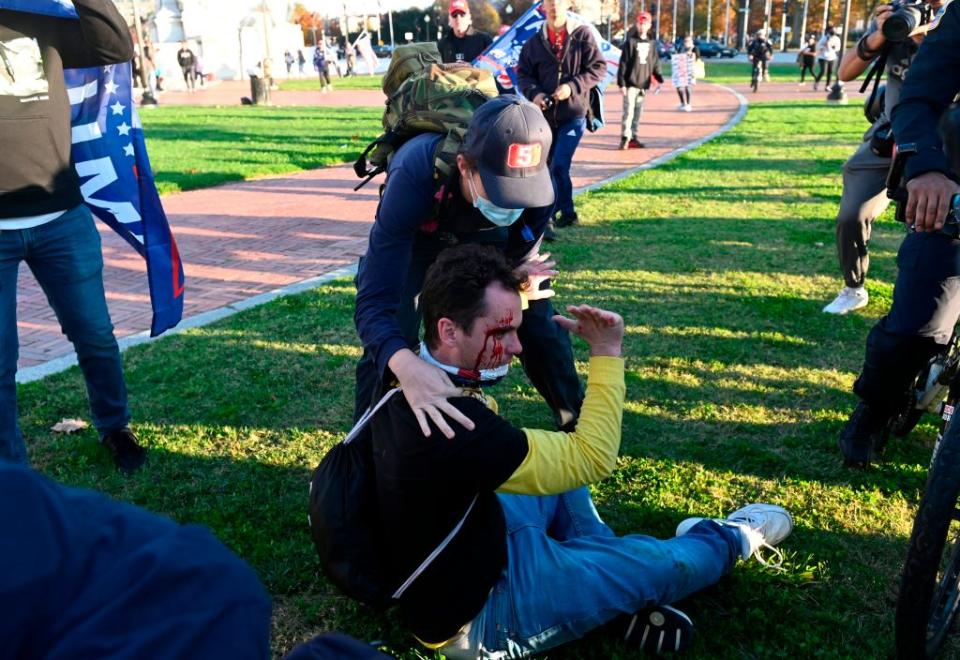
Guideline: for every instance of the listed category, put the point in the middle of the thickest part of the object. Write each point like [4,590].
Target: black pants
[547,356]
[926,305]
[807,65]
[824,65]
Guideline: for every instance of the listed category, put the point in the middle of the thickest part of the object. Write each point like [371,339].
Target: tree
[311,23]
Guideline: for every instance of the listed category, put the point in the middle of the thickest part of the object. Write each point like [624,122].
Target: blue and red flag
[117,183]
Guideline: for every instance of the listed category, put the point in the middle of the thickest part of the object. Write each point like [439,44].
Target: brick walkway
[244,239]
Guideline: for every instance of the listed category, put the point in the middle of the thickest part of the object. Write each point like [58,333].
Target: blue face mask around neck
[498,216]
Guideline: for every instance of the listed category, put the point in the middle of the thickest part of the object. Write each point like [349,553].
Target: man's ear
[462,165]
[447,332]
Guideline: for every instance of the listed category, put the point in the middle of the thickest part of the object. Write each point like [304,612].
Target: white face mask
[499,216]
[487,376]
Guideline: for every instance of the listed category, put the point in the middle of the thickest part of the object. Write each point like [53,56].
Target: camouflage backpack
[425,96]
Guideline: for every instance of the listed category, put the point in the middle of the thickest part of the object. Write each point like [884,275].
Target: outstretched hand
[602,330]
[538,270]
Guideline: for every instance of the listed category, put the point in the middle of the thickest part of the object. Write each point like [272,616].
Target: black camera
[548,102]
[905,17]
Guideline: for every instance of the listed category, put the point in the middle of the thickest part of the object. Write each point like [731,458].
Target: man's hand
[540,100]
[427,389]
[876,40]
[928,202]
[538,269]
[602,330]
[563,92]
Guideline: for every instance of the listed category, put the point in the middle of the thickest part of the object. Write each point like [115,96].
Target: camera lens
[901,23]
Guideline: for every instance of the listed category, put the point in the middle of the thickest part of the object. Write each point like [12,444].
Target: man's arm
[100,37]
[621,67]
[593,67]
[933,81]
[853,62]
[526,71]
[558,461]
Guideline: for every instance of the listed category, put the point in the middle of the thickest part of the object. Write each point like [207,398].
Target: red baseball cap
[459,6]
[644,17]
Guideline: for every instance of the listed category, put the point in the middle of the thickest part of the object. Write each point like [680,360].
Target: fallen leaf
[69,426]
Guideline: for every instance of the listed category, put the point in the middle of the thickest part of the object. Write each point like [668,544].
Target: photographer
[865,172]
[926,303]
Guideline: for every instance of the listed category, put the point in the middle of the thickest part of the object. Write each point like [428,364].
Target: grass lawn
[727,72]
[237,143]
[737,386]
[312,83]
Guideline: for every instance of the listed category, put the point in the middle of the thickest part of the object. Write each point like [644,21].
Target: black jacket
[639,60]
[580,64]
[36,172]
[463,49]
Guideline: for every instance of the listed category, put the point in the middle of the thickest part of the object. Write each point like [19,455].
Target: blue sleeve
[406,203]
[933,81]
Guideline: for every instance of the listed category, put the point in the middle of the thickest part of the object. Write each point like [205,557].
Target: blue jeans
[566,137]
[64,256]
[567,574]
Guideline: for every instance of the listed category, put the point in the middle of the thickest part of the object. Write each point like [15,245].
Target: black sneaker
[862,436]
[549,235]
[127,454]
[623,144]
[568,219]
[660,629]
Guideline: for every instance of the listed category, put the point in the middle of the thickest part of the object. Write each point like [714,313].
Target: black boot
[127,453]
[862,436]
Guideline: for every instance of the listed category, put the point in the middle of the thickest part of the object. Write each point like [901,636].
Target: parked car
[711,48]
[664,48]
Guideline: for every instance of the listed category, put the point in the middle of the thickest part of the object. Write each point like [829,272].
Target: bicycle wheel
[930,586]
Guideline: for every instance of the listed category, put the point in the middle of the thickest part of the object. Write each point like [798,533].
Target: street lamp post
[426,27]
[657,32]
[745,10]
[673,32]
[709,19]
[690,31]
[783,26]
[147,98]
[726,25]
[837,95]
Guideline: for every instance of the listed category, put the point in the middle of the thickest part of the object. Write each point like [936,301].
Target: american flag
[117,183]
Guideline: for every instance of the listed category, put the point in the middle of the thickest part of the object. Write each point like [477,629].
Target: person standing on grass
[320,64]
[528,565]
[557,68]
[806,58]
[44,221]
[639,63]
[302,61]
[462,43]
[682,72]
[288,60]
[188,66]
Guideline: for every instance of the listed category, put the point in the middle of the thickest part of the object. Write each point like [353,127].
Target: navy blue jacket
[84,576]
[933,82]
[405,213]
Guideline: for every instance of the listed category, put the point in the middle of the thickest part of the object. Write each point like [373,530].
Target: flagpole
[147,97]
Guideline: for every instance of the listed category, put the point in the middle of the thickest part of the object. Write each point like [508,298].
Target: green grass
[312,83]
[198,147]
[727,72]
[737,386]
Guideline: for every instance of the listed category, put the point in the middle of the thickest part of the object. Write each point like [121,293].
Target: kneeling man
[528,564]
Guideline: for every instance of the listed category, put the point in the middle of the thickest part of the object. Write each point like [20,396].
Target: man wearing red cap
[639,62]
[462,43]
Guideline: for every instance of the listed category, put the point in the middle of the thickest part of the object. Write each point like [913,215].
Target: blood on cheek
[493,339]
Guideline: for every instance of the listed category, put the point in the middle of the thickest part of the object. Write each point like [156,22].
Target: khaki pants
[632,111]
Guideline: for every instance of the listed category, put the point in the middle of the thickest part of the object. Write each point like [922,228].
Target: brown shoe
[633,144]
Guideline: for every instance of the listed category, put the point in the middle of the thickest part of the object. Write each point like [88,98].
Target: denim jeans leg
[566,138]
[65,257]
[12,447]
[558,591]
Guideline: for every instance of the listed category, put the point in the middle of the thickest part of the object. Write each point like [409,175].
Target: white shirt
[30,221]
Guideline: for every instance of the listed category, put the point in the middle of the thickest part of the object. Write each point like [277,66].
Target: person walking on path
[462,43]
[806,58]
[288,60]
[639,62]
[320,64]
[558,67]
[827,49]
[188,65]
[302,61]
[682,73]
[44,221]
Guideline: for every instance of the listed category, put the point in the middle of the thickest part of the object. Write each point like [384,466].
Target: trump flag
[110,157]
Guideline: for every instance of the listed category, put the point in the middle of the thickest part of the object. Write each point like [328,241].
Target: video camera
[905,18]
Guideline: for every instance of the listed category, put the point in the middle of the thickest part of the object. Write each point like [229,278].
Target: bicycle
[756,75]
[930,586]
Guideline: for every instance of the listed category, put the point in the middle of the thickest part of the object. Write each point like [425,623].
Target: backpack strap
[367,416]
[436,552]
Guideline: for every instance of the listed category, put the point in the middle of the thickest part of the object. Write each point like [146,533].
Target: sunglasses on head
[458,14]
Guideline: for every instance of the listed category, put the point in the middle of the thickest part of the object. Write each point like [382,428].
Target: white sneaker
[688,108]
[760,525]
[848,300]
[682,106]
